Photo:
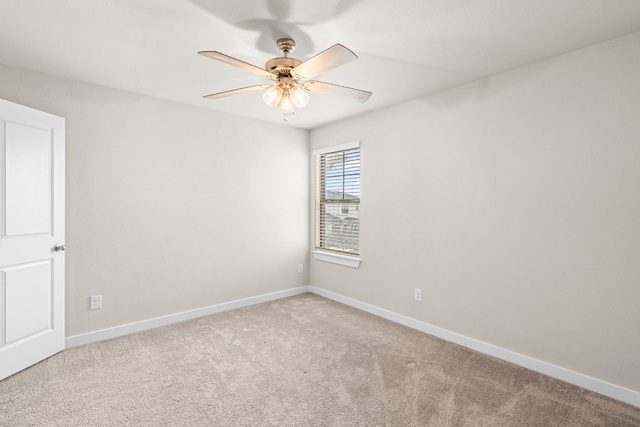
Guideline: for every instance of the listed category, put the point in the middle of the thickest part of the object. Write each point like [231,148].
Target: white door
[31,225]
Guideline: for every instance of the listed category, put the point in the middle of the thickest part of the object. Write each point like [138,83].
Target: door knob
[58,247]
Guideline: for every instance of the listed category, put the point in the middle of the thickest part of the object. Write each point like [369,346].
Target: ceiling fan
[293,78]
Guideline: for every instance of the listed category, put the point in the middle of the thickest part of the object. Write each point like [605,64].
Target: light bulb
[299,97]
[273,96]
[286,105]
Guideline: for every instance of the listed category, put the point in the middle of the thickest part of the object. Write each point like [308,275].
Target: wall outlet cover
[95,302]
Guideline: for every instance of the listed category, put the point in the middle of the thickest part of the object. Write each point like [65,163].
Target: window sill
[345,260]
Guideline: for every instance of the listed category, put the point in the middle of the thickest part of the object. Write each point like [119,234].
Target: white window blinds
[338,201]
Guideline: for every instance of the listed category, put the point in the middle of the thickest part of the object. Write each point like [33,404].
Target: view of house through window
[338,201]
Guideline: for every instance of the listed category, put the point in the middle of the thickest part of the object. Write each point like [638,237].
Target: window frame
[328,255]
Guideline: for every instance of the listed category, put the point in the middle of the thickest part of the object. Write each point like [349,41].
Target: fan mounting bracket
[286,45]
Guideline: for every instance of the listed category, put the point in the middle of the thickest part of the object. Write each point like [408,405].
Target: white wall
[170,207]
[514,203]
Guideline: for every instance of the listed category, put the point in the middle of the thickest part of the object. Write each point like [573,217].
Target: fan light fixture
[285,97]
[293,77]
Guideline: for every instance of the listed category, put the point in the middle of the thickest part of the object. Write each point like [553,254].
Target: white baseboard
[118,331]
[611,390]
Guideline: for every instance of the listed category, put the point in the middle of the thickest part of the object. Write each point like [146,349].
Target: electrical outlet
[300,268]
[96,302]
[417,294]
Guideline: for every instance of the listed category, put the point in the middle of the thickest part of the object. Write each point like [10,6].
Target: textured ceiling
[406,48]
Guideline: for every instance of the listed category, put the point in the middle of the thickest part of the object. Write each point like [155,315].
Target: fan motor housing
[282,65]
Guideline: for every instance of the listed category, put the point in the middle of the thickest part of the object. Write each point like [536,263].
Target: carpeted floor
[299,361]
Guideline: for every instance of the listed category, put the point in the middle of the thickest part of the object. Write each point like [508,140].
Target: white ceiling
[407,48]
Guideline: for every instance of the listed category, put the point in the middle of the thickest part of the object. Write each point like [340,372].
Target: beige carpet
[300,361]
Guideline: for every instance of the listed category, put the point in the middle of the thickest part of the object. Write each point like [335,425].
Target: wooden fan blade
[326,60]
[236,91]
[238,63]
[330,89]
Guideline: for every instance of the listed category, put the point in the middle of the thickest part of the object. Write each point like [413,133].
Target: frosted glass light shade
[273,96]
[286,105]
[298,96]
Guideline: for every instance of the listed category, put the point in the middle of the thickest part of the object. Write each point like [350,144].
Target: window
[337,222]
